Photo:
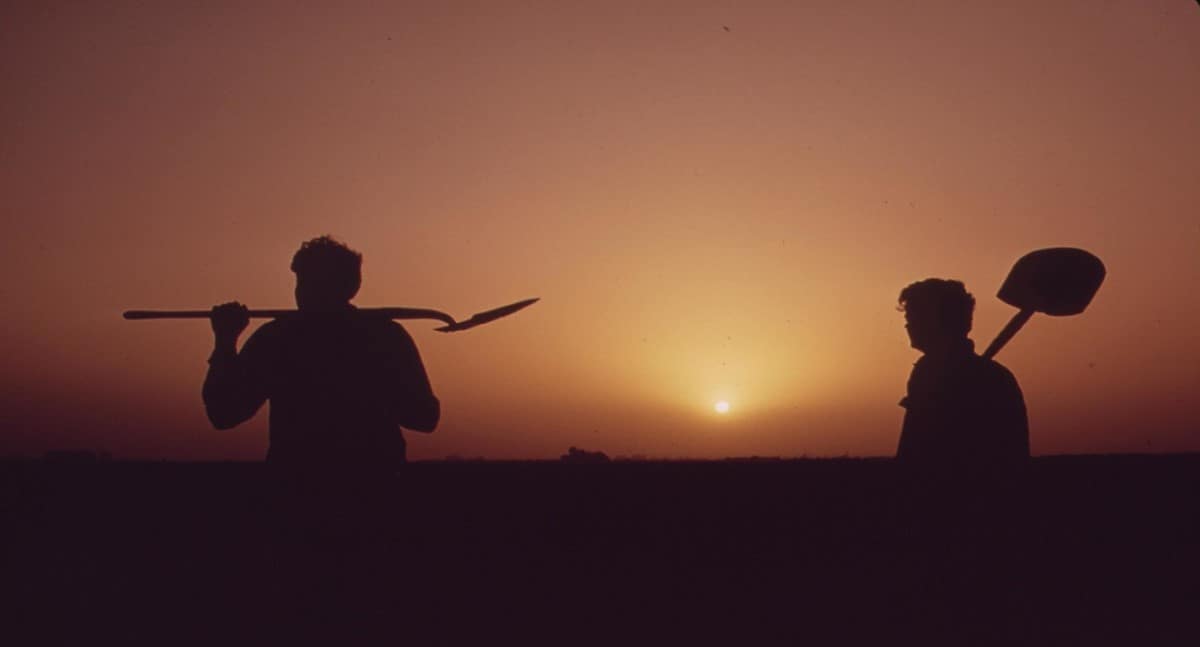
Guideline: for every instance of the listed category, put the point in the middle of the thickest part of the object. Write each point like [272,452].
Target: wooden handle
[477,319]
[168,314]
[390,313]
[1014,325]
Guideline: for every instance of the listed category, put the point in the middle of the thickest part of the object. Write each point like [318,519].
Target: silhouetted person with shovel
[963,412]
[341,383]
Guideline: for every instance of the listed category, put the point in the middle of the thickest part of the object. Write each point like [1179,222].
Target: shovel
[477,319]
[1058,281]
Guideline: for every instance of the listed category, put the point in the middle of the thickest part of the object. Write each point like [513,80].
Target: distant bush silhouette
[576,455]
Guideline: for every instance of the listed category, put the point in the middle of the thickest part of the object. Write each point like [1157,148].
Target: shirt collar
[957,348]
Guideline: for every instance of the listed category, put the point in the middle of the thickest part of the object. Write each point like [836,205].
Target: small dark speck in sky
[726,27]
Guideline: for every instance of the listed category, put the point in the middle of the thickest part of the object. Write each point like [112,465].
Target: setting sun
[721,407]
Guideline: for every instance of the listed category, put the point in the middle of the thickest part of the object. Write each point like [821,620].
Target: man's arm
[1018,418]
[919,416]
[232,389]
[409,398]
[1007,417]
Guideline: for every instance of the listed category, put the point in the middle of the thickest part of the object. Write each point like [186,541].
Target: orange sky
[707,214]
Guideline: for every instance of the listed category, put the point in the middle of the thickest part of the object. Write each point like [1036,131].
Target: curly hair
[331,264]
[946,301]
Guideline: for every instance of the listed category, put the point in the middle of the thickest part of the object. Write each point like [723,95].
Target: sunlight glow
[721,407]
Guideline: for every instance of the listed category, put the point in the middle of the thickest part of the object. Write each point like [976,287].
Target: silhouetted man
[341,383]
[962,411]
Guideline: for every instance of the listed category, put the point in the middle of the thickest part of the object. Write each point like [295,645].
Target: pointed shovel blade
[481,318]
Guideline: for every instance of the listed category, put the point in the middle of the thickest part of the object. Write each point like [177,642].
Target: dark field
[1081,550]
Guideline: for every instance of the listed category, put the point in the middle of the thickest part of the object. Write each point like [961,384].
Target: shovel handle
[390,313]
[1014,325]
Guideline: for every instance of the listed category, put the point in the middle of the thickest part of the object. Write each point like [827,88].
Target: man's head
[937,312]
[328,274]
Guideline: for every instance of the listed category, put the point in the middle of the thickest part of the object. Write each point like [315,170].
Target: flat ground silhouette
[1100,549]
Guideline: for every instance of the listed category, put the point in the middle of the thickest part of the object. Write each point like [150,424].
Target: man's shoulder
[994,376]
[268,330]
[381,330]
[265,339]
[278,327]
[991,367]
[964,368]
[381,324]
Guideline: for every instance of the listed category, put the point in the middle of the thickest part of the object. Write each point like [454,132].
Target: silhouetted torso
[963,411]
[340,385]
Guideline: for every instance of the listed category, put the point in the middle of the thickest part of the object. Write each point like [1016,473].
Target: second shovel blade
[1057,281]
